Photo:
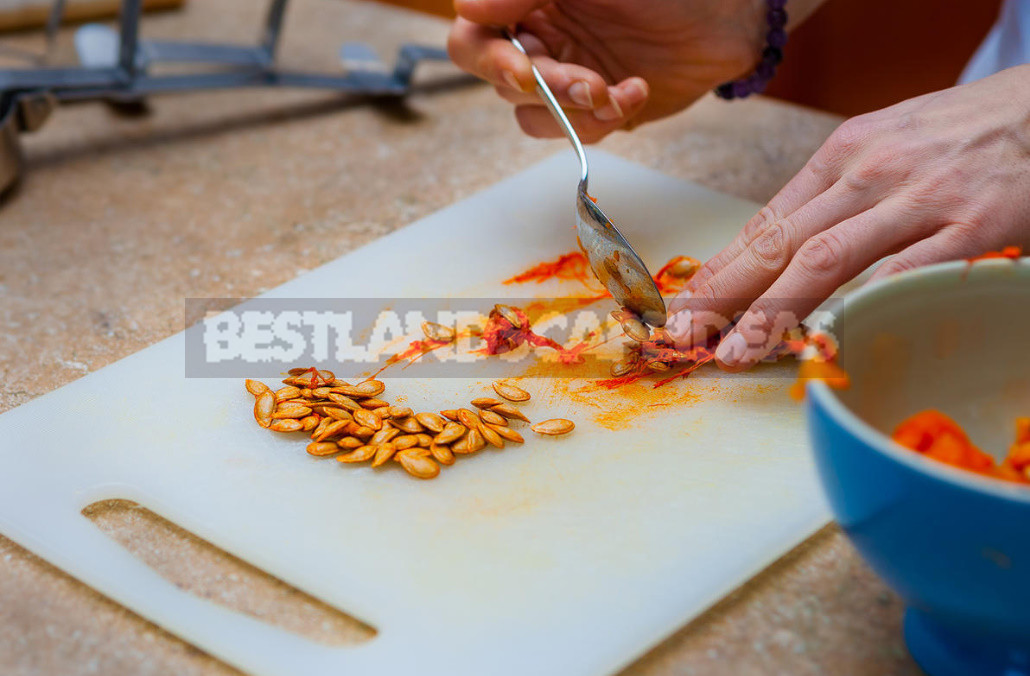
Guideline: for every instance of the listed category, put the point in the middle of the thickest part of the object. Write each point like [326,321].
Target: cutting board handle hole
[204,570]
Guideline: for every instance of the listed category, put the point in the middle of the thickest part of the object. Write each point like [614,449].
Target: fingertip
[678,304]
[496,12]
[625,100]
[730,354]
[634,91]
[472,10]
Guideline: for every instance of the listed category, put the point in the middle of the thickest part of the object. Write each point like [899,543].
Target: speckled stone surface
[229,194]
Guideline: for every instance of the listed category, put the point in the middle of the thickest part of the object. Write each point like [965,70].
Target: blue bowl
[954,545]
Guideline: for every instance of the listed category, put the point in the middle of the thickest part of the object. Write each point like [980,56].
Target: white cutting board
[564,556]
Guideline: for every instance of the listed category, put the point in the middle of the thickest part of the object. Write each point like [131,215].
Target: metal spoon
[612,259]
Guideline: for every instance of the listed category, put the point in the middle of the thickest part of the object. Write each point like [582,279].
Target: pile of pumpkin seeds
[352,423]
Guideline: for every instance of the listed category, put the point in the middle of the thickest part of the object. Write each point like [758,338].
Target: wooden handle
[34,14]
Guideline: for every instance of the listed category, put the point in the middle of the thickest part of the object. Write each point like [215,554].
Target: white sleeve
[1007,45]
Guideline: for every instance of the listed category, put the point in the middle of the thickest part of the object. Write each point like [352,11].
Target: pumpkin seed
[350,443]
[374,403]
[623,367]
[657,366]
[451,432]
[509,314]
[370,388]
[430,421]
[264,407]
[509,412]
[400,411]
[492,417]
[419,465]
[337,413]
[684,267]
[450,414]
[434,331]
[415,452]
[485,402]
[255,387]
[384,435]
[343,400]
[288,425]
[635,329]
[363,432]
[424,440]
[467,418]
[367,418]
[405,441]
[491,436]
[325,422]
[359,454]
[291,412]
[470,443]
[309,423]
[321,392]
[661,335]
[554,427]
[288,392]
[298,371]
[622,314]
[384,453]
[322,448]
[333,428]
[510,392]
[443,454]
[409,425]
[507,433]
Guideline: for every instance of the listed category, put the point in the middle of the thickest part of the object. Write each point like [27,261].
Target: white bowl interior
[949,337]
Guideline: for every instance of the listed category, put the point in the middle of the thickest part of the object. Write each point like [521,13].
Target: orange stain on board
[571,266]
[625,407]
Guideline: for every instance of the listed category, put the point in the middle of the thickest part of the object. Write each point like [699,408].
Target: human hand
[612,64]
[940,177]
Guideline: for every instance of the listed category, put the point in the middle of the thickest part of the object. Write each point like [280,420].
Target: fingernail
[610,112]
[579,92]
[639,91]
[678,326]
[513,82]
[680,302]
[731,350]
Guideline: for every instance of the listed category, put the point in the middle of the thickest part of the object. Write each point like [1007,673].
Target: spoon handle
[559,115]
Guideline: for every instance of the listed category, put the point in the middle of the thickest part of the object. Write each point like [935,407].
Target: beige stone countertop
[227,194]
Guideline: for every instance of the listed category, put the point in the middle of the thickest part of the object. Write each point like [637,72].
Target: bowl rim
[826,397]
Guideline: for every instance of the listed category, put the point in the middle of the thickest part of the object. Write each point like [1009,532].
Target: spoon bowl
[612,259]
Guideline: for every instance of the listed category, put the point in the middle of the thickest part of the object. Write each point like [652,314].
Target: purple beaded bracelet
[775,39]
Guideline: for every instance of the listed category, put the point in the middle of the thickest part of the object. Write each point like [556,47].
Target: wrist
[769,26]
